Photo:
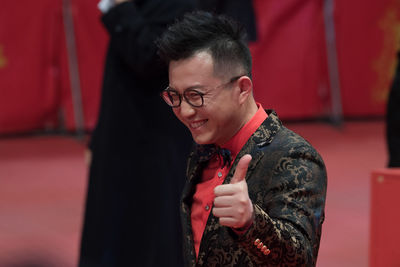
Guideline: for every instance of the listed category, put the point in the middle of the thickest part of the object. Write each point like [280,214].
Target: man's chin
[201,141]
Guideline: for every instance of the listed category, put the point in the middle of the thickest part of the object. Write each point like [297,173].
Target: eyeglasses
[193,97]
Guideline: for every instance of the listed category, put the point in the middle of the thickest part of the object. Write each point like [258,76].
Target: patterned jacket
[287,186]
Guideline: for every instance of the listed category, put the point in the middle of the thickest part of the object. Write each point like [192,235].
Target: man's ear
[246,88]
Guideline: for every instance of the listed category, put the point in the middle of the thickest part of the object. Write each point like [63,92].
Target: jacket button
[256,242]
[266,252]
[259,246]
[207,207]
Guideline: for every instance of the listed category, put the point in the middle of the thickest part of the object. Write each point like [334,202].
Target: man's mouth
[197,124]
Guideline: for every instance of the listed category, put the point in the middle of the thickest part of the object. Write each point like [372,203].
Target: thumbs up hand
[232,204]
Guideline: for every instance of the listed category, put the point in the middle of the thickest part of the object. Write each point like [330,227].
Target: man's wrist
[243,229]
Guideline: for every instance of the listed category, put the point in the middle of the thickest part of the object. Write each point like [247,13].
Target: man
[138,148]
[265,207]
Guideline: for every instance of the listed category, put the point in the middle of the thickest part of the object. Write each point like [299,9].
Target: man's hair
[223,38]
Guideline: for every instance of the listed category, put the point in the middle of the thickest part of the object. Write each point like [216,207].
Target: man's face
[218,119]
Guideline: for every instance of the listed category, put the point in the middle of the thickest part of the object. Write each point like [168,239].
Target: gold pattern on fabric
[3,59]
[385,63]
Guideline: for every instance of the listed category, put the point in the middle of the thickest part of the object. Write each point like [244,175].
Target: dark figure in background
[240,10]
[393,119]
[255,191]
[138,147]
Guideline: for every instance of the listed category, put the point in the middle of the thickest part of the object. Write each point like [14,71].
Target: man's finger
[228,221]
[223,201]
[241,169]
[224,190]
[222,212]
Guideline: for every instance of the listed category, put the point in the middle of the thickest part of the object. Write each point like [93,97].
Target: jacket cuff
[254,238]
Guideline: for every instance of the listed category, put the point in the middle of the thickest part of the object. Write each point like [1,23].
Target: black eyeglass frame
[166,93]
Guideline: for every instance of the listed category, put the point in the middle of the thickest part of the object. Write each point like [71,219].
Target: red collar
[236,143]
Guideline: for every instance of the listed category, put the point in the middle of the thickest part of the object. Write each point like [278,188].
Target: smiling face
[220,117]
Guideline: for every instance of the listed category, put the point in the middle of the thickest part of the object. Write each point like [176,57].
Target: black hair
[222,37]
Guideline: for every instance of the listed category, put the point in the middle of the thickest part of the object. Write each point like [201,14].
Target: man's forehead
[201,58]
[200,64]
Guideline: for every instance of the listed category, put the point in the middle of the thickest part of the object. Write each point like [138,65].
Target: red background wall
[290,65]
[368,36]
[290,73]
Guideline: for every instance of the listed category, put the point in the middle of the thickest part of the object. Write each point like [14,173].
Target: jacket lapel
[262,136]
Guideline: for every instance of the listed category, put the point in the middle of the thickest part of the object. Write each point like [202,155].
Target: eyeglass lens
[174,99]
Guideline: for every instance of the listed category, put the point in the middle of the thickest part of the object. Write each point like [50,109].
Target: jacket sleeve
[133,30]
[289,210]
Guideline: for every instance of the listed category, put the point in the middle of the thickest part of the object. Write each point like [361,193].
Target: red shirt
[214,175]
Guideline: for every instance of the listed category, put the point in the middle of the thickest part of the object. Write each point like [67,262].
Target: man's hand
[88,157]
[120,1]
[232,204]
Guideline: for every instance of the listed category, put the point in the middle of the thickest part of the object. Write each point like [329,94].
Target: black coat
[139,148]
[393,119]
[240,10]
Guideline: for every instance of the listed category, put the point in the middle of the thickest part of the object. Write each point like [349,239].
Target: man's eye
[173,94]
[193,95]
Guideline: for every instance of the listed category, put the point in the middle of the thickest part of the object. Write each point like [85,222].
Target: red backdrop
[290,73]
[91,40]
[290,65]
[368,36]
[34,79]
[28,64]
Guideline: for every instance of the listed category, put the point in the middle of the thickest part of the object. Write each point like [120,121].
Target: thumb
[241,169]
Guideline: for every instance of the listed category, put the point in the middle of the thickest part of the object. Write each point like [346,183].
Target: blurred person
[255,191]
[240,10]
[393,119]
[137,149]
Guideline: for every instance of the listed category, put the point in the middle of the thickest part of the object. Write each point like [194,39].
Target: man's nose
[186,109]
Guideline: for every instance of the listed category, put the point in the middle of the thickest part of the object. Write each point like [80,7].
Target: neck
[248,110]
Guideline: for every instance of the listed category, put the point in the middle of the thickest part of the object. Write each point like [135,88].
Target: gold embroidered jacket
[287,185]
